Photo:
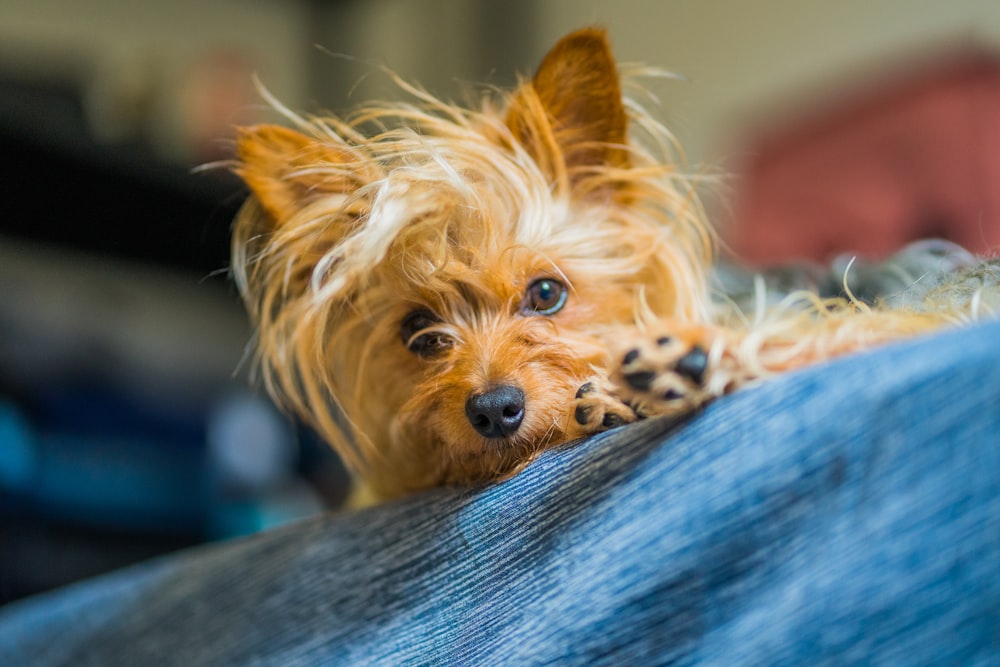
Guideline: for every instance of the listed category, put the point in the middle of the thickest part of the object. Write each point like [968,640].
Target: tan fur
[356,223]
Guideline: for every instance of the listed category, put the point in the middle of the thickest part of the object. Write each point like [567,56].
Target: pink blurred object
[917,158]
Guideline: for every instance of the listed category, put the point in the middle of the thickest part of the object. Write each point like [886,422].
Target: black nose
[496,413]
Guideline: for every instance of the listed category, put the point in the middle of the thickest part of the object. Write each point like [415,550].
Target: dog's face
[432,294]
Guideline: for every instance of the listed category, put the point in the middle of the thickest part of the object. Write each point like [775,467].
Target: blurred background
[127,425]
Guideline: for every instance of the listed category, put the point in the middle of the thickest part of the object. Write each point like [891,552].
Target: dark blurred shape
[125,429]
[59,185]
[912,156]
[120,342]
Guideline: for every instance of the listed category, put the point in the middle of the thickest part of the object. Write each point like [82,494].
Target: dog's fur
[404,269]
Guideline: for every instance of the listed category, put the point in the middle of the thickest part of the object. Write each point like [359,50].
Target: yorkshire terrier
[443,293]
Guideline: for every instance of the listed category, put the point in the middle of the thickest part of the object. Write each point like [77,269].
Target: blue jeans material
[845,514]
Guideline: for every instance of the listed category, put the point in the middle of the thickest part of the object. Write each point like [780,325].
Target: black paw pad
[693,364]
[672,395]
[640,380]
[611,420]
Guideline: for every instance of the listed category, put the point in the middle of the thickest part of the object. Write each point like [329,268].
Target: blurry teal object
[18,456]
[131,481]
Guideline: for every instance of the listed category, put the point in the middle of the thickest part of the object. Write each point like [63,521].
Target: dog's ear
[286,170]
[573,106]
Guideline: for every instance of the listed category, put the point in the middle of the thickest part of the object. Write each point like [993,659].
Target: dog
[444,292]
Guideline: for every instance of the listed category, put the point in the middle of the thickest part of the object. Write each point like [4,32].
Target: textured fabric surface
[847,514]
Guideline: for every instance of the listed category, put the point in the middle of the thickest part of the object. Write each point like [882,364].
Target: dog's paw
[596,408]
[672,372]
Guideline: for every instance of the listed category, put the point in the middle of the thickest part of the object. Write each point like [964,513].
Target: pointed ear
[573,105]
[285,169]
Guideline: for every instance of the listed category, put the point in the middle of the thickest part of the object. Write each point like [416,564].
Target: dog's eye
[418,340]
[545,296]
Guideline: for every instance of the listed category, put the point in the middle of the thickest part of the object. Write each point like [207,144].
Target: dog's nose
[496,413]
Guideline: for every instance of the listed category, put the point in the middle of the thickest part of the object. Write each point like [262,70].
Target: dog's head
[432,284]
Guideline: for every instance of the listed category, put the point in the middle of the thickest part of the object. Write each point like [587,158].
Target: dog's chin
[440,447]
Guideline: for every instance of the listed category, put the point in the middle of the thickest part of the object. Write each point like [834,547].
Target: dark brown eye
[545,296]
[417,338]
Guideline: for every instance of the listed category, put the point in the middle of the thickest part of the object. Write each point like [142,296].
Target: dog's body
[443,293]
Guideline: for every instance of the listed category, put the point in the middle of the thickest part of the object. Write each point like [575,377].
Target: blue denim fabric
[846,514]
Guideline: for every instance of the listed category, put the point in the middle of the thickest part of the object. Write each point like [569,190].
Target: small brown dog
[443,292]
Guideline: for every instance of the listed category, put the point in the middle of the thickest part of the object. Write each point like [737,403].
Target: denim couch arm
[846,513]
